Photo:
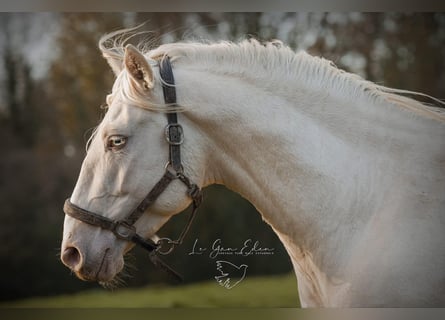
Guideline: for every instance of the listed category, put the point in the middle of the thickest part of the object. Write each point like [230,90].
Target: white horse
[349,174]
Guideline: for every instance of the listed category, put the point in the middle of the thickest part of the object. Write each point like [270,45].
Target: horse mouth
[96,274]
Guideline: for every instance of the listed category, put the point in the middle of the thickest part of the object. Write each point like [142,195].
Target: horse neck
[311,163]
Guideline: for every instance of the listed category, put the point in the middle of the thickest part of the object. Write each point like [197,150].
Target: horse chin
[105,273]
[100,278]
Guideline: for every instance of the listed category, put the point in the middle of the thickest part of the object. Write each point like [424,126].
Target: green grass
[274,291]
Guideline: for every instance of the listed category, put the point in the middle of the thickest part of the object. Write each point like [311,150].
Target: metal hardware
[177,173]
[123,230]
[174,134]
[163,249]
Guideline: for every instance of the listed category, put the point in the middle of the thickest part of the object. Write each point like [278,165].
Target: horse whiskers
[129,262]
[120,279]
[58,253]
[116,282]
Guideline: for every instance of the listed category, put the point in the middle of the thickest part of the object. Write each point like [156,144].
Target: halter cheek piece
[125,229]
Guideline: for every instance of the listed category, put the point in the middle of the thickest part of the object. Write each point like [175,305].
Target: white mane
[272,65]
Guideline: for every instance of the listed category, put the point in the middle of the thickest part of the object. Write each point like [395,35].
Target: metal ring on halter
[123,230]
[168,167]
[160,244]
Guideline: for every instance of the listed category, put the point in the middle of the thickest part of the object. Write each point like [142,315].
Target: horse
[349,174]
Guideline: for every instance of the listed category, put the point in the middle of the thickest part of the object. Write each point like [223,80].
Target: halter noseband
[124,229]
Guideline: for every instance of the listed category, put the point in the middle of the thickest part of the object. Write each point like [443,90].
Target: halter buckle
[123,230]
[174,133]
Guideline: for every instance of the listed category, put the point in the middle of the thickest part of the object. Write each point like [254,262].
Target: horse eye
[116,142]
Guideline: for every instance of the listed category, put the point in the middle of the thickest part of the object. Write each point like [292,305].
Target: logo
[248,248]
[229,274]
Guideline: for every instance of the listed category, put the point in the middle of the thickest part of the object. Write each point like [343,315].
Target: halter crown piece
[124,229]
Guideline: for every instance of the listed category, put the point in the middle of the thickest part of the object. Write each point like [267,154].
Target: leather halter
[124,229]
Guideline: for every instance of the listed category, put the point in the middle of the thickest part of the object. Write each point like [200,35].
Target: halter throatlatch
[124,229]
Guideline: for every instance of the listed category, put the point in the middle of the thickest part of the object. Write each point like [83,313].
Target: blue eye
[116,142]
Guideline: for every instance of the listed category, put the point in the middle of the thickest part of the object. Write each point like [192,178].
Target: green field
[275,291]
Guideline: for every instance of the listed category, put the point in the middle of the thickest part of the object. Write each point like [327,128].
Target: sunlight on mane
[271,65]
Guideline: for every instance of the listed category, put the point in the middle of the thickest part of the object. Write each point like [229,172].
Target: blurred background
[53,82]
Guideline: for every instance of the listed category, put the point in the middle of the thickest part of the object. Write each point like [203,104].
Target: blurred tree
[387,48]
[79,78]
[415,55]
[17,80]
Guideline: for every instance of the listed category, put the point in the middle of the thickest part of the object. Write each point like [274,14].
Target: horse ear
[138,67]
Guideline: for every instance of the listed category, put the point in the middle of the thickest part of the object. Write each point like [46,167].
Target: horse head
[129,154]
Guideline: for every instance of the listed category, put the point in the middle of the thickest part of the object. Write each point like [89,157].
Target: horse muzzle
[100,267]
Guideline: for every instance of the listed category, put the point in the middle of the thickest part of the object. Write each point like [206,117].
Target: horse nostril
[71,257]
